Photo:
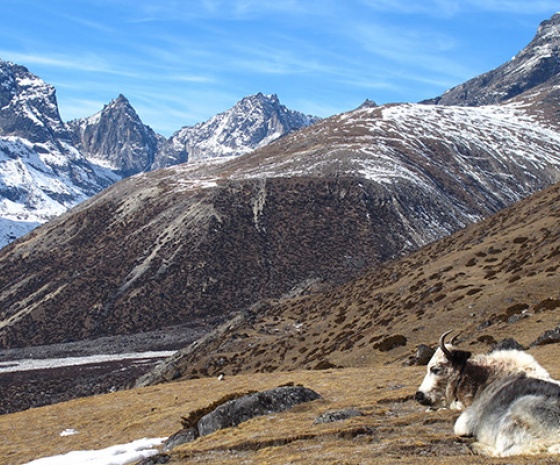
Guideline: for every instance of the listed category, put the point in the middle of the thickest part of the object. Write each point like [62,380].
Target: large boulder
[235,411]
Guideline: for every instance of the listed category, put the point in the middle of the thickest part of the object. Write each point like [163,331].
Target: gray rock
[155,460]
[527,70]
[552,336]
[234,412]
[508,344]
[180,437]
[337,415]
[424,354]
[118,135]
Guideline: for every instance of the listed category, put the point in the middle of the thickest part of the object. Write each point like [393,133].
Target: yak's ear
[460,357]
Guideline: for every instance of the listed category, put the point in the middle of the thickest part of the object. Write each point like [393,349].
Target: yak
[510,403]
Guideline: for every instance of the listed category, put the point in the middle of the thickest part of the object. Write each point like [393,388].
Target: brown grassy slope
[393,428]
[490,281]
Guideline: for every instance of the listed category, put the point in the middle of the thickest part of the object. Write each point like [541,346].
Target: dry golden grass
[393,430]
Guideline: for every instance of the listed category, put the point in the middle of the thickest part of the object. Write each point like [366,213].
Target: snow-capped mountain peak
[28,105]
[536,64]
[41,173]
[251,123]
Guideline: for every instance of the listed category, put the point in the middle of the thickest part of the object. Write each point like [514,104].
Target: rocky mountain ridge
[251,123]
[47,165]
[536,64]
[28,106]
[116,136]
[41,173]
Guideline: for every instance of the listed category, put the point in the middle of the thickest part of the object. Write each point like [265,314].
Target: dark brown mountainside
[197,243]
[493,280]
[136,260]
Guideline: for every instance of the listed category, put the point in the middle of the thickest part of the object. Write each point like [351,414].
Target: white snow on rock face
[41,181]
[253,122]
[121,454]
[41,173]
[396,142]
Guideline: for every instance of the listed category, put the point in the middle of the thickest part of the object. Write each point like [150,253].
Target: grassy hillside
[394,429]
[494,280]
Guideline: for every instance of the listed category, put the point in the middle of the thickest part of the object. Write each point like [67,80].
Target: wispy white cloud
[90,62]
[436,8]
[115,66]
[449,8]
[234,10]
[238,9]
[416,49]
[531,7]
[96,26]
[271,59]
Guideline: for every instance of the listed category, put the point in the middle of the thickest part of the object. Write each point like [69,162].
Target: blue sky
[179,62]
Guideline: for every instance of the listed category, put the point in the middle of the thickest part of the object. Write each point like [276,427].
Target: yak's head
[444,371]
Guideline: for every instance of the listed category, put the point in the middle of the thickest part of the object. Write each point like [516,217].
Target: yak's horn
[444,349]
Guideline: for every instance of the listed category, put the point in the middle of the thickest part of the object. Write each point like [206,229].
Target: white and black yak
[511,404]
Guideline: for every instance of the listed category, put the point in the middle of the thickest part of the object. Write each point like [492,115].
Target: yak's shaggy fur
[513,416]
[454,383]
[512,405]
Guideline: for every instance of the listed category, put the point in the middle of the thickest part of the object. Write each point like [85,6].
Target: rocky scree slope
[191,253]
[210,239]
[493,280]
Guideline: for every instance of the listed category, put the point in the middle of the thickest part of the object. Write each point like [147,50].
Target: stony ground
[34,388]
[26,389]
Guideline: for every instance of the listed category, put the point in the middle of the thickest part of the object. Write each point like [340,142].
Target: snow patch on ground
[121,454]
[68,432]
